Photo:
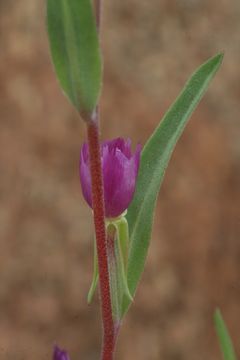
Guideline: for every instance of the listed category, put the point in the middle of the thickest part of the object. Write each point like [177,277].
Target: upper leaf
[75,51]
[154,160]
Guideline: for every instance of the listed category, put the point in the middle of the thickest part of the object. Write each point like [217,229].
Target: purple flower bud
[59,354]
[120,169]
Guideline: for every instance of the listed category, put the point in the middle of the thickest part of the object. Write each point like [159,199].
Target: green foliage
[155,157]
[224,337]
[117,229]
[75,51]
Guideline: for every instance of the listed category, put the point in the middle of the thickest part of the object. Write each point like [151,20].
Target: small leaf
[75,51]
[224,337]
[155,157]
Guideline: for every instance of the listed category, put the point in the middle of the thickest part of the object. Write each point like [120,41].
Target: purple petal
[137,156]
[113,173]
[85,179]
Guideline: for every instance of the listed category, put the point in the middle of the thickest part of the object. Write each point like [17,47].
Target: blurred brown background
[151,47]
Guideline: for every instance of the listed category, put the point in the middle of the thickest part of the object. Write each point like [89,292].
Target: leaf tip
[218,319]
[217,313]
[224,336]
[217,59]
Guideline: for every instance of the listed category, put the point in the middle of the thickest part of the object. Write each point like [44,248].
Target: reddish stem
[109,329]
[98,211]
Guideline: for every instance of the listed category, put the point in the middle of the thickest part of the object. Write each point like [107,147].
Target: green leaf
[224,337]
[75,51]
[154,160]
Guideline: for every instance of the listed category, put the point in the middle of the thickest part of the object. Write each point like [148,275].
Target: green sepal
[118,277]
[116,290]
[121,253]
[95,275]
[122,248]
[123,238]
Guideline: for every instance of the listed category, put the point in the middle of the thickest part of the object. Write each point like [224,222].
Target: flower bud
[120,170]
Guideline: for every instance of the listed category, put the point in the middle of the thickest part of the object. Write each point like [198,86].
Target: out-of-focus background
[151,47]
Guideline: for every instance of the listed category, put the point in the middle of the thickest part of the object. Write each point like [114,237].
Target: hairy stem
[98,211]
[109,329]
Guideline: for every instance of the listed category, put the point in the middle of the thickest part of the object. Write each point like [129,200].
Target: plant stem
[98,211]
[109,333]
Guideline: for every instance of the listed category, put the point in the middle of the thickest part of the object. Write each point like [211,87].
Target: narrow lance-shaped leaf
[224,337]
[75,51]
[155,157]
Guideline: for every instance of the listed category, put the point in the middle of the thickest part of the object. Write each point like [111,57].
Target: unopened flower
[59,354]
[120,170]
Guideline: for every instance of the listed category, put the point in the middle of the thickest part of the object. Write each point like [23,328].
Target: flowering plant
[121,187]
